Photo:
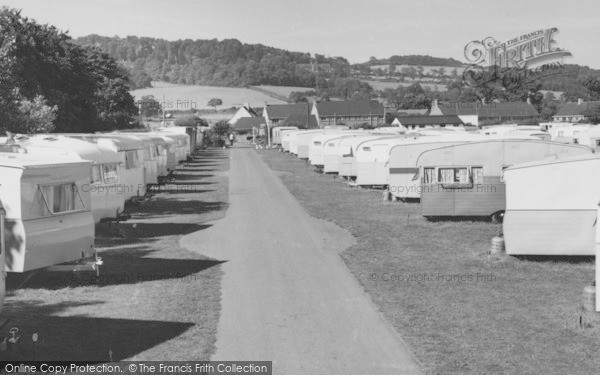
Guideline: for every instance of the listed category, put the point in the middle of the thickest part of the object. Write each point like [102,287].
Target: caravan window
[96,174]
[428,175]
[131,160]
[477,173]
[110,173]
[55,199]
[147,154]
[160,150]
[317,143]
[366,148]
[453,175]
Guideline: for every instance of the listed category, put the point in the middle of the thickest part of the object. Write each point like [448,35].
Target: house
[244,111]
[301,121]
[495,112]
[575,112]
[275,114]
[349,112]
[246,124]
[429,122]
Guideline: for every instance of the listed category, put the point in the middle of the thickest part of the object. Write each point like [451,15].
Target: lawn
[154,300]
[461,310]
[185,97]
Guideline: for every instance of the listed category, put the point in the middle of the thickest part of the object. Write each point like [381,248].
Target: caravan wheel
[497,217]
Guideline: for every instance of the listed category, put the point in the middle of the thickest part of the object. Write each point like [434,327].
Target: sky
[353,29]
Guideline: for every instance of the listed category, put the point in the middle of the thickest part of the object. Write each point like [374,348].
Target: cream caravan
[150,151]
[48,217]
[131,155]
[182,147]
[279,131]
[466,179]
[107,200]
[552,206]
[348,150]
[403,158]
[325,144]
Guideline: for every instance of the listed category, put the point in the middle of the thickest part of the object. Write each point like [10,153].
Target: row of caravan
[54,188]
[453,173]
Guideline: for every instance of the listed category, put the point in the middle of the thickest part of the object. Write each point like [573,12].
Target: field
[154,298]
[427,69]
[461,309]
[379,85]
[283,90]
[184,97]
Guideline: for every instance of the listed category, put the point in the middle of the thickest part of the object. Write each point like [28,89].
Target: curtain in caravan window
[445,175]
[428,175]
[61,198]
[477,173]
[453,175]
[461,175]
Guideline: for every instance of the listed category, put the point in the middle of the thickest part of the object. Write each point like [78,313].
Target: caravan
[552,206]
[403,158]
[182,147]
[48,217]
[131,155]
[279,131]
[348,150]
[107,200]
[322,144]
[466,179]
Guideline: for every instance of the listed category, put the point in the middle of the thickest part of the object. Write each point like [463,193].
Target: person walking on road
[231,138]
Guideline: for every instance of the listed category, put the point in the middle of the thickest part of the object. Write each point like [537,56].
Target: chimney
[528,100]
[434,104]
[579,101]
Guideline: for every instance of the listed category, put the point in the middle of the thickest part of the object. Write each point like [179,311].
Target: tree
[35,116]
[190,120]
[149,106]
[221,128]
[392,69]
[214,102]
[87,88]
[301,96]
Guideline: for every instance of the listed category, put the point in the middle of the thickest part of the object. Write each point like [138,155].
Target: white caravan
[107,199]
[48,211]
[552,206]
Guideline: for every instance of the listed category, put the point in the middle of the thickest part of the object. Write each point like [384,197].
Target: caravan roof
[120,142]
[27,161]
[61,145]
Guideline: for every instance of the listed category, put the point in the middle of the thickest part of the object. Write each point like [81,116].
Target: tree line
[211,62]
[48,83]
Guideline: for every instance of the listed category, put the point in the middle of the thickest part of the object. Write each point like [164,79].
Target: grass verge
[460,309]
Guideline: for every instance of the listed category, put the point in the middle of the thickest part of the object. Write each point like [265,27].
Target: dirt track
[286,294]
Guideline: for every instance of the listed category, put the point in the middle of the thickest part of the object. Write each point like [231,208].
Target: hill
[211,62]
[415,60]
